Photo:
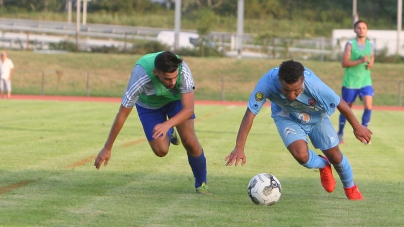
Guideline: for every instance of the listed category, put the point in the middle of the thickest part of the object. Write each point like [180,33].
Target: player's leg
[295,139]
[349,96]
[1,87]
[196,156]
[8,86]
[366,95]
[323,136]
[150,118]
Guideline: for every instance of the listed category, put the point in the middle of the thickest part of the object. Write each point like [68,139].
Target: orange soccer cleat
[353,193]
[327,179]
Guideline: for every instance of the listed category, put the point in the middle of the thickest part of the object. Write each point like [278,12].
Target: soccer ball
[264,189]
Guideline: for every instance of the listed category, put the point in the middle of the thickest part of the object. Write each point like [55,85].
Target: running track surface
[197,102]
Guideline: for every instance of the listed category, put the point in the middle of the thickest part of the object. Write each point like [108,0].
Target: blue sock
[345,172]
[366,117]
[315,161]
[198,166]
[169,133]
[342,121]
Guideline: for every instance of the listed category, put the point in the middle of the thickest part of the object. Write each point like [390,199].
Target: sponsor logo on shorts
[259,96]
[288,131]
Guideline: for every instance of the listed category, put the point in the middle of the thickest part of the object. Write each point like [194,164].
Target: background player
[358,59]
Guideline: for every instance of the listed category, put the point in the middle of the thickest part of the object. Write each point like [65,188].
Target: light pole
[78,7]
[177,25]
[240,26]
[355,16]
[399,20]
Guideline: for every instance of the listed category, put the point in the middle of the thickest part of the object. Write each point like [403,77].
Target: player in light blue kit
[301,106]
[162,89]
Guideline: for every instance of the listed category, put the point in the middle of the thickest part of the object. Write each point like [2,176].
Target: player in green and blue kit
[162,89]
[358,59]
[301,105]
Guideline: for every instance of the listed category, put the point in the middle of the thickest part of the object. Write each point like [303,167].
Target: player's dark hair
[167,62]
[359,21]
[290,71]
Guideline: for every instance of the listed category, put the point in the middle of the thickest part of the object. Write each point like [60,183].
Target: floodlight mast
[177,25]
[355,16]
[240,26]
[399,25]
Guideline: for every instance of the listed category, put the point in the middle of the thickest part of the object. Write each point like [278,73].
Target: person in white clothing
[6,70]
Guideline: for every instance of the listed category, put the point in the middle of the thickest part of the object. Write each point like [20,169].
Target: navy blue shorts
[152,117]
[349,94]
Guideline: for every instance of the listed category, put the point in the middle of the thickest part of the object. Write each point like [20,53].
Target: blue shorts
[152,117]
[322,135]
[349,94]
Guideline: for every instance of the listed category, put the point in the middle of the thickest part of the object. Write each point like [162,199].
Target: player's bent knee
[160,154]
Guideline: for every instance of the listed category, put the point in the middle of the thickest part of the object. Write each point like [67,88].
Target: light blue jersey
[316,102]
[308,114]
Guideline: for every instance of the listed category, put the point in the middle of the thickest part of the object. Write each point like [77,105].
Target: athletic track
[197,102]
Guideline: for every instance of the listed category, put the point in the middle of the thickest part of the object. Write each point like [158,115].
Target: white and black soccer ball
[264,189]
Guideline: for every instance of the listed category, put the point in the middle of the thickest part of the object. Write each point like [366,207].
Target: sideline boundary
[197,102]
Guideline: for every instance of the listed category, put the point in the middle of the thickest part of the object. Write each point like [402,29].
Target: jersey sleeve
[260,94]
[135,86]
[187,84]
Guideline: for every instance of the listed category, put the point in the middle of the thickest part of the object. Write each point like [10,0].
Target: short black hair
[290,71]
[167,62]
[359,21]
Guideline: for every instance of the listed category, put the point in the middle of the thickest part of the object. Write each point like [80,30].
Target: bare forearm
[346,111]
[244,130]
[117,126]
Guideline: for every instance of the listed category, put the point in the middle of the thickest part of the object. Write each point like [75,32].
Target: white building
[382,39]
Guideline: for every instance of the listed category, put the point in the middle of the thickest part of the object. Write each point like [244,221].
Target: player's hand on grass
[363,134]
[103,157]
[236,156]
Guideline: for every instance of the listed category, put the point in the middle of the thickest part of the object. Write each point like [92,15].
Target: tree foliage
[376,12]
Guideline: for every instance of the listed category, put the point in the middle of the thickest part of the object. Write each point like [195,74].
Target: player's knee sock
[198,166]
[366,117]
[345,172]
[342,121]
[169,133]
[314,161]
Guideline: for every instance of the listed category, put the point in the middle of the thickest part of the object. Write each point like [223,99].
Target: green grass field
[47,177]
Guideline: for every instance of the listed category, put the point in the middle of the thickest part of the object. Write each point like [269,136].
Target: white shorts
[5,82]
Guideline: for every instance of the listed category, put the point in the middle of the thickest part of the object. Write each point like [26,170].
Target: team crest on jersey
[312,102]
[259,96]
[304,117]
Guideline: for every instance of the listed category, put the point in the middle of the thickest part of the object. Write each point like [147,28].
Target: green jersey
[163,95]
[358,76]
[147,91]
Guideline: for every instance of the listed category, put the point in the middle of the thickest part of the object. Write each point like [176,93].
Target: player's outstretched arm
[105,154]
[361,132]
[237,154]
